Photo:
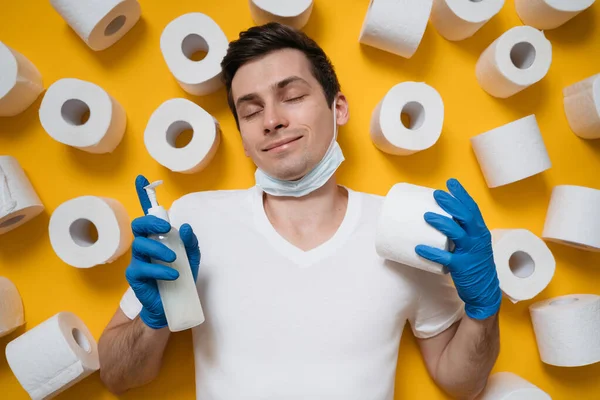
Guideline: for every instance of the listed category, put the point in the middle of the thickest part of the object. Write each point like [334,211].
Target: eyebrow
[279,85]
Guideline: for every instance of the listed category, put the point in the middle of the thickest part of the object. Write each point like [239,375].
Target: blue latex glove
[141,273]
[471,264]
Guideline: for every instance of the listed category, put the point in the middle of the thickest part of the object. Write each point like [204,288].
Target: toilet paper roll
[582,107]
[512,152]
[185,36]
[566,329]
[11,307]
[63,113]
[460,19]
[395,26]
[573,217]
[87,231]
[168,121]
[516,60]
[508,386]
[401,227]
[294,13]
[21,82]
[53,356]
[19,202]
[525,265]
[549,14]
[419,102]
[100,24]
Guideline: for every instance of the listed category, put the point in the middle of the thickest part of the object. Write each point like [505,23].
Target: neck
[318,213]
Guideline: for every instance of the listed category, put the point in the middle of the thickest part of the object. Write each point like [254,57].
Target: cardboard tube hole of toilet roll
[179,134]
[11,221]
[521,264]
[115,25]
[194,47]
[412,115]
[83,232]
[523,55]
[560,302]
[75,112]
[81,340]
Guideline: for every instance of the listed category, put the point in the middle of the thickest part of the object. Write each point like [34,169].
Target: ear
[342,109]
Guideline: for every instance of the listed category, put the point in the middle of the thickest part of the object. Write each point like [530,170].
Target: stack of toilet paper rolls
[90,230]
[550,14]
[395,26]
[65,107]
[459,19]
[573,217]
[19,202]
[509,386]
[401,227]
[293,13]
[100,24]
[53,356]
[21,82]
[11,307]
[181,39]
[511,152]
[582,107]
[519,58]
[423,106]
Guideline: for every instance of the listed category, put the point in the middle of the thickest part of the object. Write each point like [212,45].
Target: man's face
[285,122]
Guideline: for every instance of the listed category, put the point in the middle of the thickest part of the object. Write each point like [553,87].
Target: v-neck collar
[295,254]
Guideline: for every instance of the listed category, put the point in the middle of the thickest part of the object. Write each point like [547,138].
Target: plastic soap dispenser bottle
[179,297]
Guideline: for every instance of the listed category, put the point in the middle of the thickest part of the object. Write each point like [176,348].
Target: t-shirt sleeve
[436,306]
[130,305]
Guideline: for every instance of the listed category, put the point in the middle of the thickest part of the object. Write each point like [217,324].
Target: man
[298,304]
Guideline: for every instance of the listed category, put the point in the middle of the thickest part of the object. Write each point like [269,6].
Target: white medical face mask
[313,180]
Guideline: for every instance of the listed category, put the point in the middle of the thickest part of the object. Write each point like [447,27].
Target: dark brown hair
[259,41]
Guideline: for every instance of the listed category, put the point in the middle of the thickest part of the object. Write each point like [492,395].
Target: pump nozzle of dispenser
[156,209]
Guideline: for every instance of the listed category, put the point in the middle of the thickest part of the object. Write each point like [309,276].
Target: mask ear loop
[7,203]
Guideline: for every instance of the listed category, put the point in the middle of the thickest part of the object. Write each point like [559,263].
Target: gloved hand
[141,273]
[471,264]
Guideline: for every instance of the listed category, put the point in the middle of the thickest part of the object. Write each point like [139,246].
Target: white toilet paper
[294,13]
[19,202]
[396,26]
[516,60]
[460,19]
[508,386]
[525,265]
[573,217]
[511,152]
[53,356]
[100,24]
[425,108]
[549,14]
[401,227]
[566,329]
[20,82]
[183,37]
[73,227]
[63,110]
[11,307]
[582,107]
[168,121]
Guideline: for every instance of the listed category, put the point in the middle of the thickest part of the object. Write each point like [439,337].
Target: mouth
[280,144]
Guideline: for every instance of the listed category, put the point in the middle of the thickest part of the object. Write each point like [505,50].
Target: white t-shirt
[282,323]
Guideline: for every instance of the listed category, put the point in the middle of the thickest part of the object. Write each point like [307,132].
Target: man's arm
[461,358]
[130,353]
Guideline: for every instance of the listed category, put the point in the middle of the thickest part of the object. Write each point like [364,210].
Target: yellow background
[134,72]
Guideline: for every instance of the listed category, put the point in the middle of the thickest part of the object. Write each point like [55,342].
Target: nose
[274,119]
